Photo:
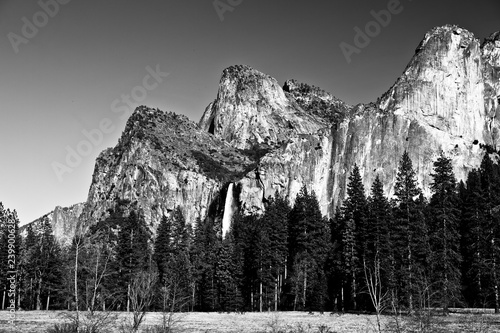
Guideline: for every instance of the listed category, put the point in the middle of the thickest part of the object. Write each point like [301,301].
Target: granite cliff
[63,221]
[446,99]
[258,138]
[163,160]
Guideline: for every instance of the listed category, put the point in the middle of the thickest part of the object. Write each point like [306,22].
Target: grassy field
[296,322]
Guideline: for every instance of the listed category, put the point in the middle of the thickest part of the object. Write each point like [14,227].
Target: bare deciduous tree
[373,279]
[93,254]
[141,295]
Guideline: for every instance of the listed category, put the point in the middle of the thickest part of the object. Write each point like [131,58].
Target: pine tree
[45,261]
[480,202]
[247,253]
[356,207]
[379,220]
[444,233]
[264,261]
[336,261]
[262,245]
[379,252]
[229,275]
[309,247]
[409,236]
[179,264]
[490,184]
[474,245]
[133,254]
[172,254]
[163,247]
[204,253]
[274,226]
[354,237]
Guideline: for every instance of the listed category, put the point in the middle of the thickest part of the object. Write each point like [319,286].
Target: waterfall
[228,210]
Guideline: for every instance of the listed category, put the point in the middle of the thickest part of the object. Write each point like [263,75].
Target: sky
[71,72]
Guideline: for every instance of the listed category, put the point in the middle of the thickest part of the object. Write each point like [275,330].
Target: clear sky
[70,72]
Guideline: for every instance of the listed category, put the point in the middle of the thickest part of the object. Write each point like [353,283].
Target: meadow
[273,322]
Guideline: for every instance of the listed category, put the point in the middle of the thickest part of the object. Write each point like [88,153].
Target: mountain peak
[454,28]
[146,122]
[442,35]
[251,109]
[317,101]
[234,69]
[493,38]
[245,74]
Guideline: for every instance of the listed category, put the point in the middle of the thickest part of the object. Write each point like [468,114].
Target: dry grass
[39,321]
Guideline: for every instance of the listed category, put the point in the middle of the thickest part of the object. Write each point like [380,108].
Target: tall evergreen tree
[172,254]
[309,247]
[490,184]
[444,234]
[229,275]
[163,247]
[356,206]
[335,262]
[133,254]
[274,225]
[248,255]
[480,203]
[45,261]
[179,264]
[354,237]
[474,245]
[409,237]
[379,248]
[205,250]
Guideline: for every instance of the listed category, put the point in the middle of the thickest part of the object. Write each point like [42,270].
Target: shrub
[63,328]
[88,322]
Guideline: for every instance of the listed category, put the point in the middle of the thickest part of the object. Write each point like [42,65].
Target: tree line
[404,252]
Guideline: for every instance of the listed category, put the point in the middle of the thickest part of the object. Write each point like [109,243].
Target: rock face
[162,161]
[491,78]
[63,221]
[251,108]
[446,99]
[258,138]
